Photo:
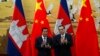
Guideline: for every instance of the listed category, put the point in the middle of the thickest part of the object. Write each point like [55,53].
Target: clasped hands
[63,41]
[46,45]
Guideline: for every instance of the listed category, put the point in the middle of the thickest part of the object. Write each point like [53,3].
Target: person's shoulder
[38,37]
[67,34]
[49,37]
[57,36]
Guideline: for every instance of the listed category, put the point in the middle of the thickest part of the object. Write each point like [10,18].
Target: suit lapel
[41,39]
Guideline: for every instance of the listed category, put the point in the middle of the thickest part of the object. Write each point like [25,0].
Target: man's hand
[66,41]
[43,44]
[62,40]
[47,46]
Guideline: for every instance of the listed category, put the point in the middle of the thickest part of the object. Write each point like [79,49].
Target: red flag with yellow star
[86,35]
[40,21]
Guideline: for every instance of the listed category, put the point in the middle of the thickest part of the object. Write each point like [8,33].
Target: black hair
[44,28]
[61,26]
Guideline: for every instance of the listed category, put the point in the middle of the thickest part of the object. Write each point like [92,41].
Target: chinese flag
[40,21]
[99,51]
[86,35]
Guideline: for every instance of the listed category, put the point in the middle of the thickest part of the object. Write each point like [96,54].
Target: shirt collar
[63,34]
[43,37]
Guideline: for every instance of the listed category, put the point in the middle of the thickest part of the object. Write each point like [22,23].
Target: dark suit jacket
[62,49]
[42,51]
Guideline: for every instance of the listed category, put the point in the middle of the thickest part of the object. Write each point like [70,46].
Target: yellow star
[80,18]
[36,21]
[92,15]
[38,4]
[47,17]
[83,3]
[87,19]
[42,22]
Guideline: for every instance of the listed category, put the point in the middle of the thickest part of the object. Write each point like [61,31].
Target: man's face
[45,32]
[61,30]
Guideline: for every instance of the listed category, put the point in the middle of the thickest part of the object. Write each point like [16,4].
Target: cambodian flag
[18,31]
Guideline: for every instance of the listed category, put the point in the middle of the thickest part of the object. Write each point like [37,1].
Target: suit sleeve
[50,42]
[38,44]
[56,42]
[70,42]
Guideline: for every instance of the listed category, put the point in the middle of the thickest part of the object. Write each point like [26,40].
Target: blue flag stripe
[18,4]
[12,50]
[65,6]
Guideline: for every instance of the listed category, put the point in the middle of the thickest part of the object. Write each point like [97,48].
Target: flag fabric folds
[86,35]
[18,31]
[40,21]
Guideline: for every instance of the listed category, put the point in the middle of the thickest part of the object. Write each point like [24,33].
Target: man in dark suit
[62,43]
[43,44]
